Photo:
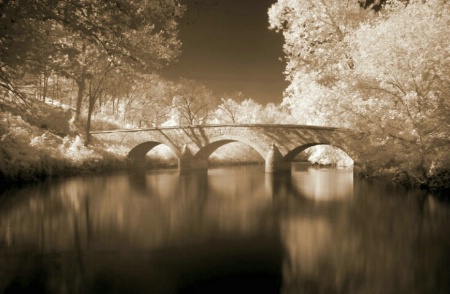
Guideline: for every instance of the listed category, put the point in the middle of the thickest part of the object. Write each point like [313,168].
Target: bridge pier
[275,162]
[193,164]
[187,161]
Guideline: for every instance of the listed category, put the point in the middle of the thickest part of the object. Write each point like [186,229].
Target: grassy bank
[42,142]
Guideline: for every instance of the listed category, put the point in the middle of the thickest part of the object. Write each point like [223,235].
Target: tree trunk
[45,86]
[56,92]
[88,122]
[81,86]
[81,82]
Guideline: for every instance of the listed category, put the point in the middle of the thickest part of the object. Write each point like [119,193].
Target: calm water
[232,230]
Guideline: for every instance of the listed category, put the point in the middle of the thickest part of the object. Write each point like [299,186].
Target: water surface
[230,230]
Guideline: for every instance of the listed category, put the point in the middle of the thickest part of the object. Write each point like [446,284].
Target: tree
[400,86]
[157,107]
[192,102]
[317,54]
[387,76]
[246,111]
[318,57]
[274,114]
[140,32]
[147,100]
[312,103]
[97,89]
[227,111]
[314,32]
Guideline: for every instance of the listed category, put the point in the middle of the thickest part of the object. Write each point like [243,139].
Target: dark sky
[228,47]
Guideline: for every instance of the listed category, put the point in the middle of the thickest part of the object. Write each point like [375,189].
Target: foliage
[235,111]
[140,31]
[385,74]
[52,40]
[400,86]
[192,103]
[248,111]
[29,153]
[310,102]
[314,32]
[329,155]
[317,54]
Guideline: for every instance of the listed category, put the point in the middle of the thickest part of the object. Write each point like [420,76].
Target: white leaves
[409,42]
[313,29]
[75,149]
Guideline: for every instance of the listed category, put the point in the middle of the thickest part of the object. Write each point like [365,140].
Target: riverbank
[43,142]
[439,182]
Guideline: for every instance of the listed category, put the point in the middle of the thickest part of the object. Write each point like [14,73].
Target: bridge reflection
[161,231]
[149,209]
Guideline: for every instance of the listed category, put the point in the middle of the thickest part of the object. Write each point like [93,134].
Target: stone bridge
[278,144]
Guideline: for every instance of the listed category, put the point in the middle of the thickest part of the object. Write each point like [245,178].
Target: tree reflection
[323,184]
[371,244]
[161,231]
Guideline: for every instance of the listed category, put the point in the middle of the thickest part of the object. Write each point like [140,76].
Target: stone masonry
[277,144]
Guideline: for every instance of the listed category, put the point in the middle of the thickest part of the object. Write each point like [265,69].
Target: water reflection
[323,184]
[235,229]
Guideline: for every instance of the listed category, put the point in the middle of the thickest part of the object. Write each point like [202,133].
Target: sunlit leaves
[310,102]
[405,62]
[386,74]
[401,81]
[314,30]
[238,110]
[317,54]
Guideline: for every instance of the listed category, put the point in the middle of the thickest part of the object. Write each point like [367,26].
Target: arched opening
[229,151]
[322,172]
[160,155]
[142,149]
[320,153]
[291,155]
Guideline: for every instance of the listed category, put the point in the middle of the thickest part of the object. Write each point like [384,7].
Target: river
[230,230]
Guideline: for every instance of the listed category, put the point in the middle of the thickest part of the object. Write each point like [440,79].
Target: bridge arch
[205,152]
[289,157]
[140,150]
[296,151]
